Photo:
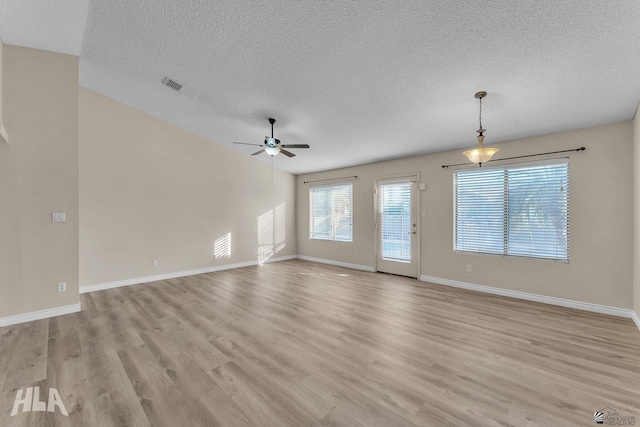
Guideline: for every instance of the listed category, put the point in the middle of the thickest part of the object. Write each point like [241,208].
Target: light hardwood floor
[303,344]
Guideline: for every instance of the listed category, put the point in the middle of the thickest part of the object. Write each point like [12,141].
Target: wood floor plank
[28,363]
[192,378]
[254,397]
[66,371]
[109,388]
[162,402]
[298,343]
[9,336]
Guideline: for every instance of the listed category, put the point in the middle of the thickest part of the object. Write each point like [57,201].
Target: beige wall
[600,268]
[636,212]
[150,190]
[1,56]
[3,132]
[38,176]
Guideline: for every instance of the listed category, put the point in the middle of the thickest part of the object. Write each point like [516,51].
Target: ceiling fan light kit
[272,146]
[481,154]
[272,151]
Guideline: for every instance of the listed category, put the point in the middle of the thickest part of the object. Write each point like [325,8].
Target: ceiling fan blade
[258,152]
[295,146]
[286,153]
[246,143]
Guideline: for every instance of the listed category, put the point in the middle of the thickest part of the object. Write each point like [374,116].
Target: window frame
[505,218]
[312,218]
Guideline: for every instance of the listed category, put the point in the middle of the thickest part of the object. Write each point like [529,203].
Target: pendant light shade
[481,154]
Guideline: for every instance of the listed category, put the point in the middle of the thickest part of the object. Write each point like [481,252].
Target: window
[516,210]
[331,212]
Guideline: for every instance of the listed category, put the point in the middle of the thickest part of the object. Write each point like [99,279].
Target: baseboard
[635,318]
[40,314]
[597,308]
[336,263]
[174,275]
[165,276]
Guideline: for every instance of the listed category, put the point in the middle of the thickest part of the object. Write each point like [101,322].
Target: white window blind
[394,209]
[519,210]
[331,212]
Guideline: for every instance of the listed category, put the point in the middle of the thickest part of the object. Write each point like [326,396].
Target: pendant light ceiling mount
[480,155]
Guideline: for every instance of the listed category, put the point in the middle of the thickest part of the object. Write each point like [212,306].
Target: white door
[397,226]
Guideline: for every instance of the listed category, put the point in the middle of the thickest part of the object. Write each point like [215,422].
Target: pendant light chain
[481,154]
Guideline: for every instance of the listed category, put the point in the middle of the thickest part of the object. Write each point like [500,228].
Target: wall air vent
[172,84]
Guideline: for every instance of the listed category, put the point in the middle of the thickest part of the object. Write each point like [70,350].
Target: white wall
[151,190]
[600,268]
[38,176]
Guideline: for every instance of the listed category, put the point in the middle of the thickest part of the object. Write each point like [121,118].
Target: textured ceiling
[360,81]
[55,25]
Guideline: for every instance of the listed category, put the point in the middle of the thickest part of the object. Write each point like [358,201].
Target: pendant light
[480,155]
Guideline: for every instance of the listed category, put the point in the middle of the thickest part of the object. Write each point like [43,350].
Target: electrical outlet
[154,263]
[58,216]
[469,268]
[350,253]
[62,287]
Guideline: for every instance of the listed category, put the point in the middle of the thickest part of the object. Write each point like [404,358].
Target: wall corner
[636,214]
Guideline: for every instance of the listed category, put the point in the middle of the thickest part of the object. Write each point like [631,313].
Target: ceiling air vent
[172,84]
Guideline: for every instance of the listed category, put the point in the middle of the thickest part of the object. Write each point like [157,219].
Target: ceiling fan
[272,146]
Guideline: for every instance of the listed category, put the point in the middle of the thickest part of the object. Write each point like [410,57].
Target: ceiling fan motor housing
[271,142]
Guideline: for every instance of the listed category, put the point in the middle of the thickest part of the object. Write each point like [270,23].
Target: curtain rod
[520,157]
[329,179]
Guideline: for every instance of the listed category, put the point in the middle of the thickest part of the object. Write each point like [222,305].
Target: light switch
[58,217]
[424,214]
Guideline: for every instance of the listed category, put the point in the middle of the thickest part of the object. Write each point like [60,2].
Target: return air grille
[172,84]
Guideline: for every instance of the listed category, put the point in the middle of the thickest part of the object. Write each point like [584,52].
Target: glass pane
[538,212]
[342,213]
[395,221]
[479,211]
[321,212]
[332,212]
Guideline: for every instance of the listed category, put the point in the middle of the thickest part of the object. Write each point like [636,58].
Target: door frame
[415,179]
